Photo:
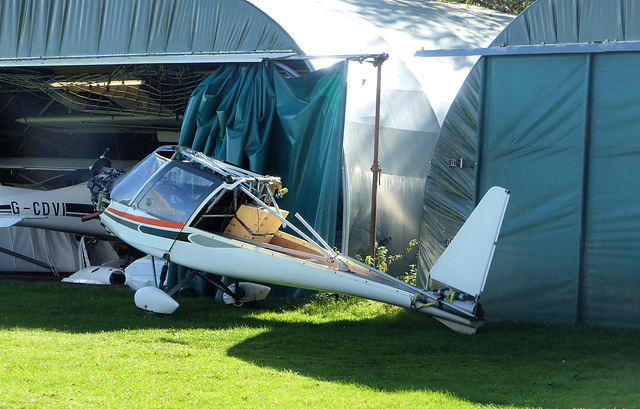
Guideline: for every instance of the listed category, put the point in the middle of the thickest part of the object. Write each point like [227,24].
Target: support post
[375,168]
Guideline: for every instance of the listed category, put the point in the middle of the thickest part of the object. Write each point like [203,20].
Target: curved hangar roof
[551,113]
[60,32]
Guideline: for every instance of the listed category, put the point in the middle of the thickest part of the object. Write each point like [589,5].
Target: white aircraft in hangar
[62,203]
[57,203]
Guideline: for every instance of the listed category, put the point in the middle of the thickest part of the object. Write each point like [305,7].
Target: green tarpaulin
[249,115]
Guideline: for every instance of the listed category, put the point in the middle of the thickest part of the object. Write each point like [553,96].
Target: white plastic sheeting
[57,250]
[416,94]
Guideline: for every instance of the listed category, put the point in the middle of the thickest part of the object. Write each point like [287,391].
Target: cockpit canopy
[167,189]
[127,186]
[173,182]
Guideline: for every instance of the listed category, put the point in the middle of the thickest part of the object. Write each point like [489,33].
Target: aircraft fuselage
[59,209]
[213,217]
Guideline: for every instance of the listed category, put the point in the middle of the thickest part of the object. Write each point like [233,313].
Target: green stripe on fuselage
[167,234]
[121,221]
[154,231]
[205,241]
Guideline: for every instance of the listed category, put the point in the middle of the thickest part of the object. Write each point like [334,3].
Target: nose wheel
[152,301]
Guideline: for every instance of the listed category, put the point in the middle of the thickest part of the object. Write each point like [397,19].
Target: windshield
[126,187]
[177,194]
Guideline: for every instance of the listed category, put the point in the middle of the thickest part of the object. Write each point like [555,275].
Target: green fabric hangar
[551,112]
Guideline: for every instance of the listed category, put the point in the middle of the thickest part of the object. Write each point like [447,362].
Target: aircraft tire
[245,304]
[147,313]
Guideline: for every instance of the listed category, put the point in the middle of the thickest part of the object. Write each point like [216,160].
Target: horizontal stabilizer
[468,329]
[465,263]
[9,221]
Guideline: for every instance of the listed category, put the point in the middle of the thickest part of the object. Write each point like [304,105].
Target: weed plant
[504,6]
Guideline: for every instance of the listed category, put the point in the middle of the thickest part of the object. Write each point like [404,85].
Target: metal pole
[26,258]
[375,168]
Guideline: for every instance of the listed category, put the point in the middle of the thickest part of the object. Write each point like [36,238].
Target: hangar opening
[80,78]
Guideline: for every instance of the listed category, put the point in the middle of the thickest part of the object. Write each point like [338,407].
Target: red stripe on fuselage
[146,220]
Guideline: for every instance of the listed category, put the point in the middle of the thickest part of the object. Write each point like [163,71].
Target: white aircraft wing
[9,221]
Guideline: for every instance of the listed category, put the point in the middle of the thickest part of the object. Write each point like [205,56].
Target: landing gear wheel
[147,313]
[245,304]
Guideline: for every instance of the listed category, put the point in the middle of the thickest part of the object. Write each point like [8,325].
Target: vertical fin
[465,263]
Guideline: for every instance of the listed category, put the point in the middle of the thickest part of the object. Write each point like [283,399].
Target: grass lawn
[81,346]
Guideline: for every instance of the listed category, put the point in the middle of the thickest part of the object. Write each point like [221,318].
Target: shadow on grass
[505,363]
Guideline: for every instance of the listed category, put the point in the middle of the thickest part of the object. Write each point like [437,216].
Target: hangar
[80,76]
[551,112]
